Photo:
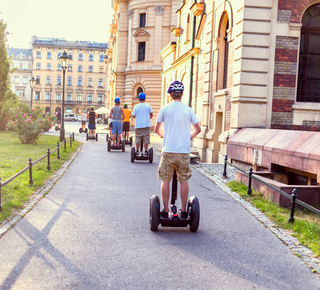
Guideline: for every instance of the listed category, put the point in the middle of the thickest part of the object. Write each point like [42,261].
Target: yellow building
[85,77]
[140,29]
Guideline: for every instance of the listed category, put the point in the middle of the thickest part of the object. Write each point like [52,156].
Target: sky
[70,19]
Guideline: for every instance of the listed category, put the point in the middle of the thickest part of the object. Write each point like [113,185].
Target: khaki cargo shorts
[178,161]
[142,133]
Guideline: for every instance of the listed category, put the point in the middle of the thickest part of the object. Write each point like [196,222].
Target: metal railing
[292,197]
[30,164]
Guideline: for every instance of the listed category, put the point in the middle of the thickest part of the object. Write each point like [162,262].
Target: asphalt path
[91,231]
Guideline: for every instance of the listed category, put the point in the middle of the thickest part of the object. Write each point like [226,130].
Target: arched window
[139,90]
[188,29]
[222,75]
[309,58]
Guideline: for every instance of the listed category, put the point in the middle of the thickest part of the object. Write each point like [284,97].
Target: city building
[85,77]
[140,29]
[21,67]
[246,63]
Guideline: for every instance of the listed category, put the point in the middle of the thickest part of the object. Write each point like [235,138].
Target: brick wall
[291,10]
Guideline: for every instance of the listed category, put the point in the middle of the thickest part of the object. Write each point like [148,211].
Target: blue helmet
[117,100]
[176,87]
[142,96]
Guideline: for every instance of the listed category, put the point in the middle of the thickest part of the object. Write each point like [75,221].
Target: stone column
[157,39]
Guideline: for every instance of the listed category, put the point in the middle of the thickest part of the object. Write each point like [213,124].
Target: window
[141,51]
[38,65]
[69,67]
[226,59]
[38,80]
[101,57]
[16,79]
[79,97]
[90,57]
[48,66]
[100,96]
[139,91]
[25,66]
[59,67]
[70,56]
[48,95]
[89,98]
[16,65]
[223,57]
[69,97]
[58,96]
[69,81]
[80,68]
[101,69]
[25,80]
[142,20]
[37,95]
[48,81]
[90,68]
[38,54]
[58,55]
[59,80]
[309,58]
[79,81]
[49,56]
[100,82]
[89,82]
[80,57]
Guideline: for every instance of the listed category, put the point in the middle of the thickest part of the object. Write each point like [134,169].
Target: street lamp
[32,83]
[64,60]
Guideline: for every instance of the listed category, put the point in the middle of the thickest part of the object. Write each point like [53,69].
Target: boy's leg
[184,192]
[165,194]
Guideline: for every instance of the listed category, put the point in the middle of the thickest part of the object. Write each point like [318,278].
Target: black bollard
[249,185]
[58,145]
[30,171]
[70,140]
[65,144]
[293,204]
[72,136]
[48,154]
[225,167]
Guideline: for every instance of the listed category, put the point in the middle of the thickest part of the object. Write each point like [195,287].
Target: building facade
[137,34]
[21,67]
[85,77]
[246,63]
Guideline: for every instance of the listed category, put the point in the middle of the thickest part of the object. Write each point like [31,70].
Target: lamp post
[50,99]
[64,60]
[32,83]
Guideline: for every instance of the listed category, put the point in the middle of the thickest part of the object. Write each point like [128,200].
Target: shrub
[28,123]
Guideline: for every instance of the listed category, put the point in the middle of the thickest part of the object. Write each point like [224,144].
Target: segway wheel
[133,153]
[56,128]
[86,131]
[107,137]
[109,145]
[123,145]
[154,216]
[130,141]
[194,213]
[80,130]
[87,136]
[97,137]
[150,155]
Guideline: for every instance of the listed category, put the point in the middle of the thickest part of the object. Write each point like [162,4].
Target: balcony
[70,102]
[197,9]
[176,31]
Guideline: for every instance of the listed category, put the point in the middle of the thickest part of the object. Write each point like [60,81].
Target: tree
[7,97]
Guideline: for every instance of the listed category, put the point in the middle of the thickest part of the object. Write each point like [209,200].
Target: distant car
[70,117]
[78,118]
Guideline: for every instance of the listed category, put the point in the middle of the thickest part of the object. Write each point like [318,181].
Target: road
[91,231]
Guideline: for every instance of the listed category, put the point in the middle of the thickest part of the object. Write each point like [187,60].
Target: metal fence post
[249,185]
[225,166]
[30,171]
[48,153]
[0,195]
[58,145]
[65,144]
[70,140]
[293,204]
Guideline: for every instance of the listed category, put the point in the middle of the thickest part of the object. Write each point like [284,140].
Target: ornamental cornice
[159,9]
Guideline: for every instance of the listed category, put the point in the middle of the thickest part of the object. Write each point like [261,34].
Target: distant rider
[92,116]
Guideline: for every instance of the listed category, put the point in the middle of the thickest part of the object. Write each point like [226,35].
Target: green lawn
[14,157]
[306,227]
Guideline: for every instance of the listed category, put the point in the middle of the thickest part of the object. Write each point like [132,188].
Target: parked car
[78,118]
[70,117]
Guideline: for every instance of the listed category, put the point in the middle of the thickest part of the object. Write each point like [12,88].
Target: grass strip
[306,227]
[14,157]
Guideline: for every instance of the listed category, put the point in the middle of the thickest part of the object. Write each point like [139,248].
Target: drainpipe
[192,58]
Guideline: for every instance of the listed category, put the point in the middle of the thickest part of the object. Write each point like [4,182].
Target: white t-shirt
[84,117]
[177,118]
[141,112]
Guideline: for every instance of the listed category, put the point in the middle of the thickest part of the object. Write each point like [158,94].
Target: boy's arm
[151,115]
[157,129]
[196,130]
[110,115]
[122,112]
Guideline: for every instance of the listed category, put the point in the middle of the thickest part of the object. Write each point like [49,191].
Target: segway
[173,219]
[121,146]
[83,131]
[127,142]
[88,137]
[135,156]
